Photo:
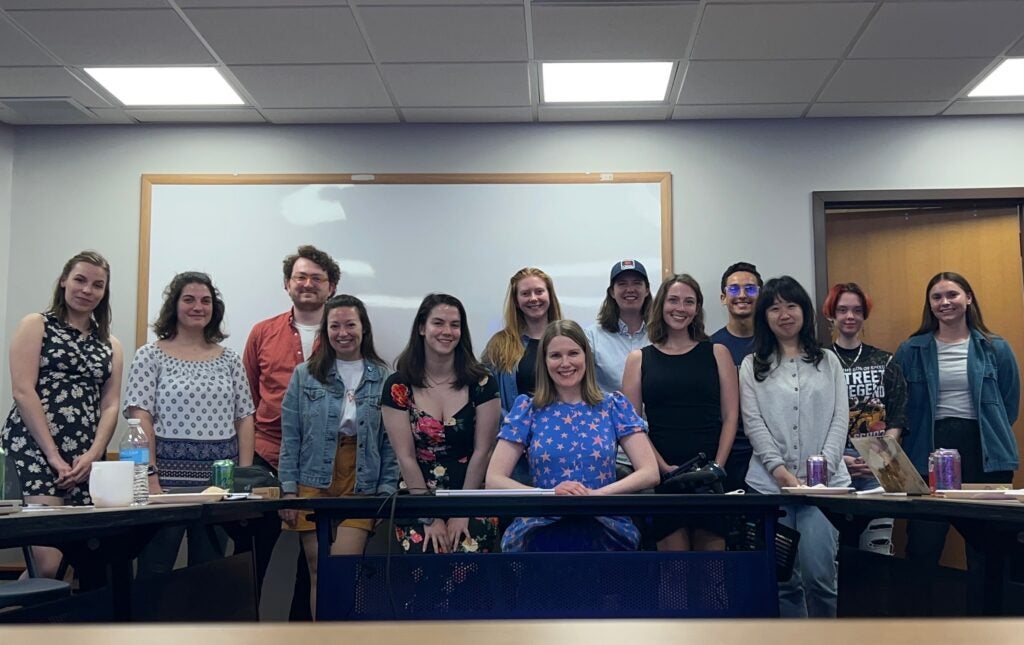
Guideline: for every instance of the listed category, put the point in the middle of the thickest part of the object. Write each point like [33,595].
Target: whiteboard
[398,238]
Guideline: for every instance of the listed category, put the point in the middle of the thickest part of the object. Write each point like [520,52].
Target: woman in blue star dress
[570,431]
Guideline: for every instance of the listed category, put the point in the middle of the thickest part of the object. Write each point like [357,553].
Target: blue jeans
[861,483]
[812,591]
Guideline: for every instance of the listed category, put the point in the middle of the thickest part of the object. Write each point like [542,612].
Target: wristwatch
[152,470]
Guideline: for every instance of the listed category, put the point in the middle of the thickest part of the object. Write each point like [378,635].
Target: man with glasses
[741,284]
[274,347]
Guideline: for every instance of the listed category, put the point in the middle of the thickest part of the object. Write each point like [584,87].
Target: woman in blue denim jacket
[963,392]
[332,440]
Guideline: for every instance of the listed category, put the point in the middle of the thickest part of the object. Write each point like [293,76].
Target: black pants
[925,540]
[265,539]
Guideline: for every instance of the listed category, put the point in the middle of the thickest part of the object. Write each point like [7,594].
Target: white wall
[6,176]
[742,189]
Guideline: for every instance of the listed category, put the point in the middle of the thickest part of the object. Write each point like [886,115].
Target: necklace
[435,383]
[842,362]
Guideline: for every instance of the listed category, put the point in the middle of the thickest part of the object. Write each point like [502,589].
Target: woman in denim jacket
[963,392]
[332,441]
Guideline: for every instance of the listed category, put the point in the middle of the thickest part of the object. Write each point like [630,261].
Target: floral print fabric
[72,370]
[442,452]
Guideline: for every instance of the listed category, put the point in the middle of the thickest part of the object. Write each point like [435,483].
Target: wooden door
[893,253]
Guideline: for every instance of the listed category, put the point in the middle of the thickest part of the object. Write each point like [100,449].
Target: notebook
[890,465]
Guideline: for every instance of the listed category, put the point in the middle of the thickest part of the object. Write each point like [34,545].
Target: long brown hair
[323,356]
[101,314]
[657,331]
[411,363]
[544,394]
[505,349]
[608,316]
[930,324]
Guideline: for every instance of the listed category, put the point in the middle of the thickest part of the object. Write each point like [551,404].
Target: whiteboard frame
[664,179]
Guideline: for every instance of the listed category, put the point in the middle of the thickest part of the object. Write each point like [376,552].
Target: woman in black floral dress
[441,412]
[66,380]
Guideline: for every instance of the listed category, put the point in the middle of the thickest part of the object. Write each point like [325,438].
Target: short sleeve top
[572,441]
[198,400]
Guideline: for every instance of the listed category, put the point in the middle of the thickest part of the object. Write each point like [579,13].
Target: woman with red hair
[877,391]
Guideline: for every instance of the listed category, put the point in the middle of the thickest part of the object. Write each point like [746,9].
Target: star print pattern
[72,370]
[581,440]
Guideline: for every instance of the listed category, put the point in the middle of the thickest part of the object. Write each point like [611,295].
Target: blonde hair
[545,393]
[505,349]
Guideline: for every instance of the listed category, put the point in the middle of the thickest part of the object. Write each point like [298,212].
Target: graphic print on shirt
[866,389]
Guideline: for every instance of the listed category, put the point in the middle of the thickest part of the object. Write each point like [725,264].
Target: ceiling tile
[83,4]
[941,29]
[612,32]
[282,35]
[901,80]
[47,111]
[727,82]
[313,86]
[196,115]
[986,106]
[46,82]
[468,115]
[750,111]
[910,108]
[187,4]
[734,32]
[16,49]
[352,115]
[603,113]
[446,34]
[115,37]
[466,85]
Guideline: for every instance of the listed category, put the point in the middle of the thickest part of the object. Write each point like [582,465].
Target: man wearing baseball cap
[620,324]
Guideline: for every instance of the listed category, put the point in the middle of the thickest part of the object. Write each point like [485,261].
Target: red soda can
[817,470]
[947,469]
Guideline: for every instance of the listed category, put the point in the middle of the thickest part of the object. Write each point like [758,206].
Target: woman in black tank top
[688,389]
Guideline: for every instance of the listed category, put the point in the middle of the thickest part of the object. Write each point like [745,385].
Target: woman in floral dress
[441,410]
[66,381]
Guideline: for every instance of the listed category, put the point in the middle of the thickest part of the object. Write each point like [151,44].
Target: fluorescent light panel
[605,82]
[1005,80]
[165,86]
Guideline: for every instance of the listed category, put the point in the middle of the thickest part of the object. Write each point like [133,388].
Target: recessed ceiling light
[1005,80]
[135,86]
[605,82]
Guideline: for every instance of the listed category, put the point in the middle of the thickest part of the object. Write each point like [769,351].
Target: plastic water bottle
[135,447]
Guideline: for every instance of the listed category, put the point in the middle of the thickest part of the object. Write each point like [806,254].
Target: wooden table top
[532,632]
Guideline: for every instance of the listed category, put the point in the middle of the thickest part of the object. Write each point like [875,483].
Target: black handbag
[698,475]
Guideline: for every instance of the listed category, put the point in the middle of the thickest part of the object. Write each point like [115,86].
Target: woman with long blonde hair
[530,304]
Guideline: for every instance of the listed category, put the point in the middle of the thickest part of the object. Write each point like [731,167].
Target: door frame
[822,200]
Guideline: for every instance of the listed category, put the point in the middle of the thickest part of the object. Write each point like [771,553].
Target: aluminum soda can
[947,469]
[224,474]
[817,470]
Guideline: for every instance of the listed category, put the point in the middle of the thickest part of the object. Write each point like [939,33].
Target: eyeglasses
[750,290]
[315,280]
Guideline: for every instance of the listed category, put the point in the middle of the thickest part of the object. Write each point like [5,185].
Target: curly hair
[166,325]
[321,258]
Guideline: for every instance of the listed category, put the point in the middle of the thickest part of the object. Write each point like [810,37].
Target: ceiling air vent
[39,111]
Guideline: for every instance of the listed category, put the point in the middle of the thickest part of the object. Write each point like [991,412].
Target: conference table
[994,527]
[101,543]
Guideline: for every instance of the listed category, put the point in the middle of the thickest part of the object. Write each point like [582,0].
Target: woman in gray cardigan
[794,404]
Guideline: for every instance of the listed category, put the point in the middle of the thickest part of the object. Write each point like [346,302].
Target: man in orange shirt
[274,347]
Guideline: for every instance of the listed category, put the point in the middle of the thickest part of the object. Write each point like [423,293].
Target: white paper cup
[110,483]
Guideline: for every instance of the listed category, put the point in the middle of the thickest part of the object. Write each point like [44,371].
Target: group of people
[548,404]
